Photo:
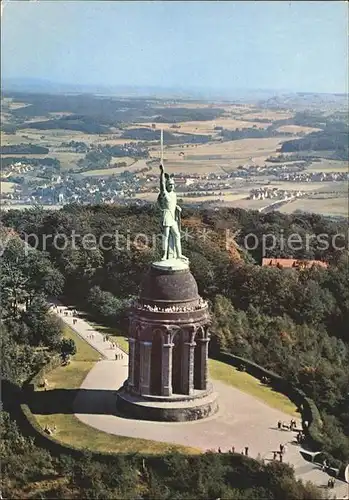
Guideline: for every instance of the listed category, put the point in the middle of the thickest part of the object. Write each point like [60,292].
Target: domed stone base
[168,349]
[178,408]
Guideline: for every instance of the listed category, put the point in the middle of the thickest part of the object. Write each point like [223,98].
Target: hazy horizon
[208,46]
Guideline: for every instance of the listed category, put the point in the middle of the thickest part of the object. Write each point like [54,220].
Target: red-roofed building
[293,263]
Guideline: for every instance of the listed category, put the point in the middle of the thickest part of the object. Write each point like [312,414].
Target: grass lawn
[72,431]
[246,383]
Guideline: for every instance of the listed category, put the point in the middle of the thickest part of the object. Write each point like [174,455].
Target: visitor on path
[116,357]
[233,449]
[281,449]
[275,455]
[219,450]
[279,424]
[331,483]
[246,451]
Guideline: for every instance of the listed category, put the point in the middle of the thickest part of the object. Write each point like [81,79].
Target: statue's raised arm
[162,179]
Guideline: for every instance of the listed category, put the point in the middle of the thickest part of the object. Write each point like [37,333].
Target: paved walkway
[107,349]
[241,421]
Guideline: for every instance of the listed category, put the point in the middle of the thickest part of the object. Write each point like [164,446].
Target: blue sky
[296,46]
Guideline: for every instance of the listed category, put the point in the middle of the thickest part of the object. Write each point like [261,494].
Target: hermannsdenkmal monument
[168,333]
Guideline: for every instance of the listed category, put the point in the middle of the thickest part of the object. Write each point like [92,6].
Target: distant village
[44,185]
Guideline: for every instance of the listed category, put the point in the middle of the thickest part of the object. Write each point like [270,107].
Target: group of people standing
[281,452]
[244,452]
[290,427]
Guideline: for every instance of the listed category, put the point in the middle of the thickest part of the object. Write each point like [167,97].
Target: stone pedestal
[168,339]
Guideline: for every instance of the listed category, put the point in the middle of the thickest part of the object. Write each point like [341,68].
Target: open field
[226,197]
[105,172]
[195,167]
[333,194]
[10,139]
[245,204]
[241,110]
[38,156]
[269,114]
[312,187]
[296,129]
[54,137]
[214,155]
[329,166]
[205,126]
[331,206]
[7,187]
[68,160]
[340,187]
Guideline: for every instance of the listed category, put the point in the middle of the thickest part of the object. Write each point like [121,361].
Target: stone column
[188,368]
[131,362]
[145,360]
[166,370]
[203,346]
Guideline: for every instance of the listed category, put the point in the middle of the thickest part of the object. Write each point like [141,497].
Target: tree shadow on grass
[69,401]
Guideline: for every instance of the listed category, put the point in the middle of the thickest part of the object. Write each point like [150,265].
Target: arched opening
[197,365]
[156,363]
[137,362]
[198,361]
[177,363]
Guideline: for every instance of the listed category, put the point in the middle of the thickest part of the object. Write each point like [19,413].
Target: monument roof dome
[169,286]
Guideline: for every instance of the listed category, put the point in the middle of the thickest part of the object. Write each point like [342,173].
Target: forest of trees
[23,149]
[96,114]
[32,472]
[29,334]
[332,139]
[78,123]
[303,314]
[252,133]
[147,134]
